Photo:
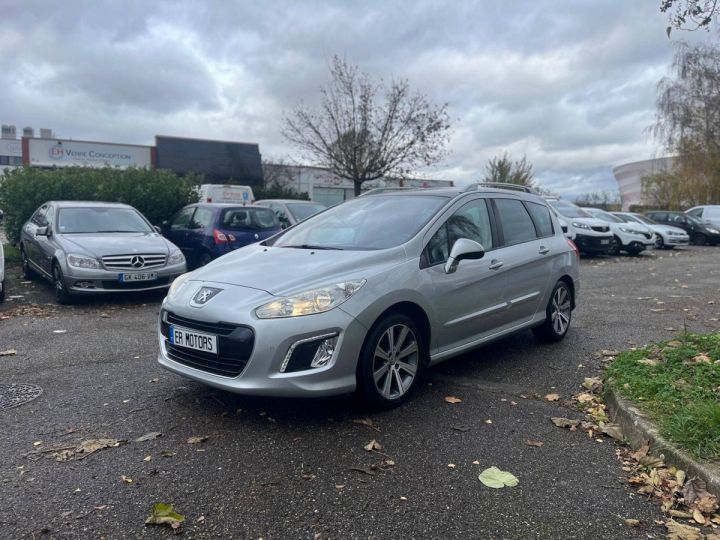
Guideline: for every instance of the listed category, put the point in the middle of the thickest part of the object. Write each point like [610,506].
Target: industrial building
[629,179]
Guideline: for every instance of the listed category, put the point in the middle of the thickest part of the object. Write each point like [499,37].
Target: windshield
[645,219]
[625,218]
[245,218]
[605,216]
[365,223]
[569,210]
[302,211]
[101,220]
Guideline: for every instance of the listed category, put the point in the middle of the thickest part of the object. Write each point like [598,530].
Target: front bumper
[98,281]
[260,368]
[593,244]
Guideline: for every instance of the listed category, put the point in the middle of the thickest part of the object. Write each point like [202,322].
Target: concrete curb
[638,430]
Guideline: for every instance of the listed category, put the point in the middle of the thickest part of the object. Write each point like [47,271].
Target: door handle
[495,264]
[543,250]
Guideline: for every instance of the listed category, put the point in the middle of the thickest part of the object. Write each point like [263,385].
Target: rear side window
[203,218]
[659,216]
[242,218]
[541,216]
[515,221]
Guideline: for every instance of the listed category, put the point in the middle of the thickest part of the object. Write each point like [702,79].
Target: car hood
[102,244]
[282,271]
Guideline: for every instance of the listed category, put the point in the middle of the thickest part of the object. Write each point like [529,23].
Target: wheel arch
[418,315]
[571,285]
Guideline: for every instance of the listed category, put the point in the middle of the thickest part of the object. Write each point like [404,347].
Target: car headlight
[309,302]
[176,257]
[581,225]
[177,283]
[83,261]
[629,231]
[713,231]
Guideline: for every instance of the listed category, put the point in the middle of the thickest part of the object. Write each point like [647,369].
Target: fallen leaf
[9,352]
[592,383]
[565,422]
[694,490]
[453,399]
[147,458]
[606,352]
[531,442]
[451,465]
[648,362]
[702,359]
[365,422]
[632,522]
[495,478]
[200,519]
[149,436]
[197,439]
[126,479]
[104,316]
[488,421]
[585,397]
[163,514]
[167,453]
[37,443]
[373,445]
[476,462]
[678,531]
[59,331]
[698,517]
[85,448]
[613,430]
[388,463]
[641,452]
[552,397]
[403,498]
[308,476]
[707,504]
[339,486]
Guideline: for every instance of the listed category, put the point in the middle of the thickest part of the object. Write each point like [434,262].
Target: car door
[46,244]
[178,228]
[200,233]
[30,243]
[527,259]
[468,301]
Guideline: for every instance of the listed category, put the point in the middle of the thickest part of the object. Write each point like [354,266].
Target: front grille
[602,228]
[130,285]
[134,261]
[235,345]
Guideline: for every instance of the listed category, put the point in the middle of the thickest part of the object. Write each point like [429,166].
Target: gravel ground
[297,468]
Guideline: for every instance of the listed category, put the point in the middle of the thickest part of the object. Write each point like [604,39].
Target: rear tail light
[573,247]
[219,237]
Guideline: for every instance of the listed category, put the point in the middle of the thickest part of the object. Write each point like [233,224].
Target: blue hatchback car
[205,231]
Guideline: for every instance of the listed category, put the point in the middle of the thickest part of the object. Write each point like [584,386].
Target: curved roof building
[629,178]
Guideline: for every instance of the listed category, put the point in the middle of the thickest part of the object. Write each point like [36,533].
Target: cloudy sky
[569,83]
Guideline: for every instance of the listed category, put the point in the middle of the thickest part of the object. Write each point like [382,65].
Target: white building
[327,188]
[11,145]
[629,178]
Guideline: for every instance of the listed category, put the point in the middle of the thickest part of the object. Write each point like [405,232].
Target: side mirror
[158,229]
[43,231]
[463,249]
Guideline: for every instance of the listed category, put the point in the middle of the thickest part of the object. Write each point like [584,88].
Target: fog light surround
[321,347]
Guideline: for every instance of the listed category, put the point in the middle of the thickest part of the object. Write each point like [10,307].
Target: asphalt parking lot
[297,468]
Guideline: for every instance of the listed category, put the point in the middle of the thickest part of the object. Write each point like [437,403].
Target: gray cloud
[571,85]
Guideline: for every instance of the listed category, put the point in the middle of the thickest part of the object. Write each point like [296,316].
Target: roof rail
[377,191]
[500,185]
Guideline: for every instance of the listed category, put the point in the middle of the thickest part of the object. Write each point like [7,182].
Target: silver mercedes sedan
[367,294]
[94,247]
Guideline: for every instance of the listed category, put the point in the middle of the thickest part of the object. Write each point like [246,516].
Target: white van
[226,193]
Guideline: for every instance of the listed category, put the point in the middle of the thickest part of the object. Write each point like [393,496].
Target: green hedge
[157,193]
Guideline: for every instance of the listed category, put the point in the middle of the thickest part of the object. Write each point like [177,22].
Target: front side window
[697,212]
[38,217]
[541,215]
[515,221]
[101,220]
[471,221]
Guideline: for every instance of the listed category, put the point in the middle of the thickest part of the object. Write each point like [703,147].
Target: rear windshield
[101,220]
[248,218]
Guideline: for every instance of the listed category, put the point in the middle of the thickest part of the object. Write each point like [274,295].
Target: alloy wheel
[395,362]
[561,310]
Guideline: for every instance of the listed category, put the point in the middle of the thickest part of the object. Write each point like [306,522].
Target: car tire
[615,246]
[558,315]
[385,378]
[699,239]
[634,251]
[660,242]
[28,273]
[2,291]
[62,296]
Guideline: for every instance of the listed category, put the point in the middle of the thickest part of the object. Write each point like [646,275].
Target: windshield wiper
[119,231]
[311,246]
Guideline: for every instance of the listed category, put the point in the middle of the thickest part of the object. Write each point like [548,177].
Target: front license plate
[604,241]
[190,339]
[142,276]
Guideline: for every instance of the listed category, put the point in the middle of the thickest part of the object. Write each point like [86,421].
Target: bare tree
[364,130]
[606,200]
[687,123]
[690,14]
[280,181]
[503,169]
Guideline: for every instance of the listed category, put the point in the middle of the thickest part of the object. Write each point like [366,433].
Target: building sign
[66,153]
